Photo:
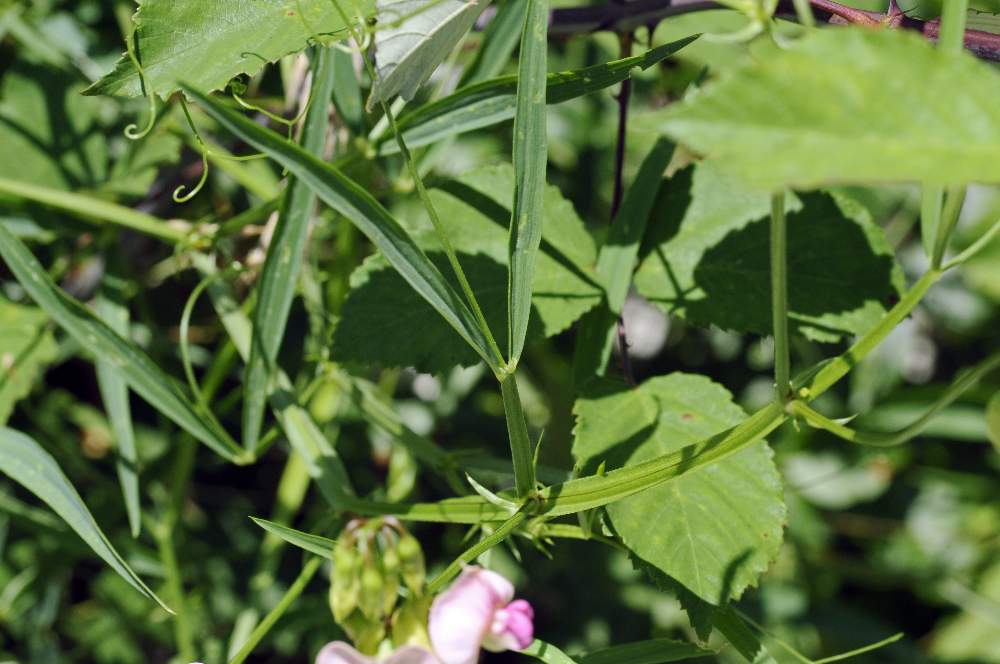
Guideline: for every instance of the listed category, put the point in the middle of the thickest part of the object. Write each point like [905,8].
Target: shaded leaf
[380,315]
[896,110]
[707,259]
[717,528]
[25,462]
[412,38]
[26,349]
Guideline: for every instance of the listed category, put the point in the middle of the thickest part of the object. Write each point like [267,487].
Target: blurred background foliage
[877,541]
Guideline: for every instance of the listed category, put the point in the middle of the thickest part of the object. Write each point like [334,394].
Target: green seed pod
[390,574]
[345,579]
[372,589]
[411,558]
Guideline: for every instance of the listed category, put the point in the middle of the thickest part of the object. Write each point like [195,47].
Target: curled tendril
[180,197]
[273,116]
[132,131]
[185,326]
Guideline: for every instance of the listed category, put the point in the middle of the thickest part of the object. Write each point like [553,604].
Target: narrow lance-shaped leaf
[530,155]
[360,208]
[321,546]
[413,38]
[491,102]
[24,461]
[136,367]
[111,308]
[284,259]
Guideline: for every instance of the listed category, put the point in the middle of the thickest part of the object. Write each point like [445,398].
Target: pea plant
[338,237]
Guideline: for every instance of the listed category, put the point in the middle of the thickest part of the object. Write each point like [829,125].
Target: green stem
[96,210]
[520,443]
[949,218]
[171,570]
[813,383]
[954,391]
[779,296]
[953,17]
[305,576]
[473,552]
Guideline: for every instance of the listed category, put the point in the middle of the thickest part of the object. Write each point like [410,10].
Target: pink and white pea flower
[339,652]
[479,611]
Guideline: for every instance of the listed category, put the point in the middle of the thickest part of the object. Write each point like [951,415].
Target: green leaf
[993,420]
[360,208]
[707,259]
[321,546]
[413,37]
[491,102]
[207,42]
[499,39]
[897,110]
[718,527]
[280,273]
[530,156]
[25,462]
[546,652]
[652,651]
[740,636]
[323,464]
[51,129]
[27,349]
[380,314]
[111,308]
[161,391]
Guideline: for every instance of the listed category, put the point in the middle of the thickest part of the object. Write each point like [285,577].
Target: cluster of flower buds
[372,561]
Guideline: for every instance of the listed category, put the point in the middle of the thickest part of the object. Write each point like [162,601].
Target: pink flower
[339,652]
[477,611]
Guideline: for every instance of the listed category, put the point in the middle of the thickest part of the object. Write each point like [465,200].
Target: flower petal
[461,616]
[412,655]
[338,652]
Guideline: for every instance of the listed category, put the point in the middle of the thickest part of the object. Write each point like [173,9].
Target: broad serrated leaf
[385,322]
[896,109]
[714,529]
[25,462]
[208,42]
[707,258]
[412,38]
[26,349]
[141,373]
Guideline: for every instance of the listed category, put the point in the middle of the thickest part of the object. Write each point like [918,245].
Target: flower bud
[372,589]
[390,574]
[345,582]
[411,558]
